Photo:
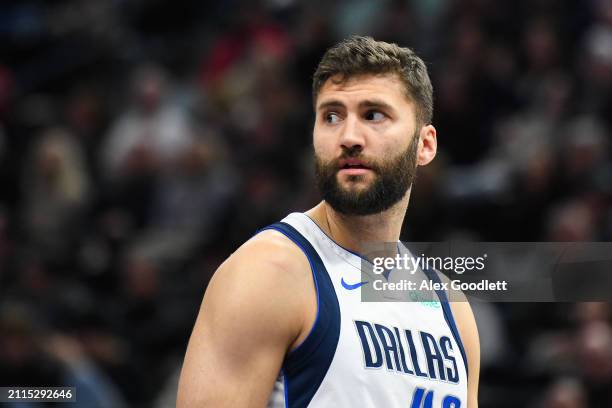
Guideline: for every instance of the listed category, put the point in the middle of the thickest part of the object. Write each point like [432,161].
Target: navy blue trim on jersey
[305,366]
[448,313]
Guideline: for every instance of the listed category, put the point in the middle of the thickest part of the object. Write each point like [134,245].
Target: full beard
[393,178]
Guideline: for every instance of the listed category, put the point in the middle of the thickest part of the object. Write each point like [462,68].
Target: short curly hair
[359,55]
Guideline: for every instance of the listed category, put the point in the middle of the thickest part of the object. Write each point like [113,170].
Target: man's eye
[332,118]
[375,116]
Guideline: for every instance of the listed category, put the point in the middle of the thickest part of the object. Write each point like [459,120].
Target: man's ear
[428,145]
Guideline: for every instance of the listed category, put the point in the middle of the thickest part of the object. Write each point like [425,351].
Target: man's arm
[468,331]
[258,305]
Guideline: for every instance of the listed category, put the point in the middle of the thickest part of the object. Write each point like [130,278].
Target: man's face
[365,142]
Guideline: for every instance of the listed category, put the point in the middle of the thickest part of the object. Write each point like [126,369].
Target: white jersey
[367,354]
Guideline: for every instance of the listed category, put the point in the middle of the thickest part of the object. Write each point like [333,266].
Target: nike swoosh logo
[353,286]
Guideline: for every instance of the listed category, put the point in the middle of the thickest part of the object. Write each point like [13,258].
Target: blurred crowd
[142,142]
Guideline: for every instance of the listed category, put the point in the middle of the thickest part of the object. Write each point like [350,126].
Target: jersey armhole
[305,367]
[315,281]
[448,315]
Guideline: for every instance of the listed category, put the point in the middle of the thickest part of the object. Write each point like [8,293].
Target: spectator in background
[565,393]
[33,356]
[594,359]
[191,202]
[55,194]
[145,141]
[150,133]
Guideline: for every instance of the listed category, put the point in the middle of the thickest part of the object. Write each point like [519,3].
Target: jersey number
[422,399]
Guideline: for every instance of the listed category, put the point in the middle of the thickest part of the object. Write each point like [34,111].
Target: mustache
[368,162]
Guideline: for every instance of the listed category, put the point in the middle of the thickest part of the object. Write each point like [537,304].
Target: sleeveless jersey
[367,354]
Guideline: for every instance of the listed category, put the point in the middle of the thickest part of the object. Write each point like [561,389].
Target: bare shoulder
[468,331]
[463,314]
[457,298]
[268,255]
[261,293]
[267,278]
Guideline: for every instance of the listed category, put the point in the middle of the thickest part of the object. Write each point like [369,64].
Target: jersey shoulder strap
[305,367]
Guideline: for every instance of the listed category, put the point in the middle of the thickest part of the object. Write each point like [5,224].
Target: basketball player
[282,323]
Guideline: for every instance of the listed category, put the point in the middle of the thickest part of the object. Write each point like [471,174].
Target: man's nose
[351,134]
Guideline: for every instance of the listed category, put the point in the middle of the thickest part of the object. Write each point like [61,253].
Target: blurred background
[141,142]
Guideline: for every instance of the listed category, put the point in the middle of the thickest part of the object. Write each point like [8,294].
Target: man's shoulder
[459,303]
[269,255]
[267,282]
[466,323]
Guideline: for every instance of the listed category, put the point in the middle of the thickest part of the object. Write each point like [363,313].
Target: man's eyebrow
[333,103]
[376,103]
[368,103]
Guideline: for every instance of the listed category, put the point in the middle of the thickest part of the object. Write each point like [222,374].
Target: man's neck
[355,232]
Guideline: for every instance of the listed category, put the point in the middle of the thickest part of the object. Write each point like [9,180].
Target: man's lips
[352,163]
[354,171]
[353,167]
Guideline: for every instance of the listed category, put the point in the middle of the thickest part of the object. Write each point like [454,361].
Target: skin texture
[261,302]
